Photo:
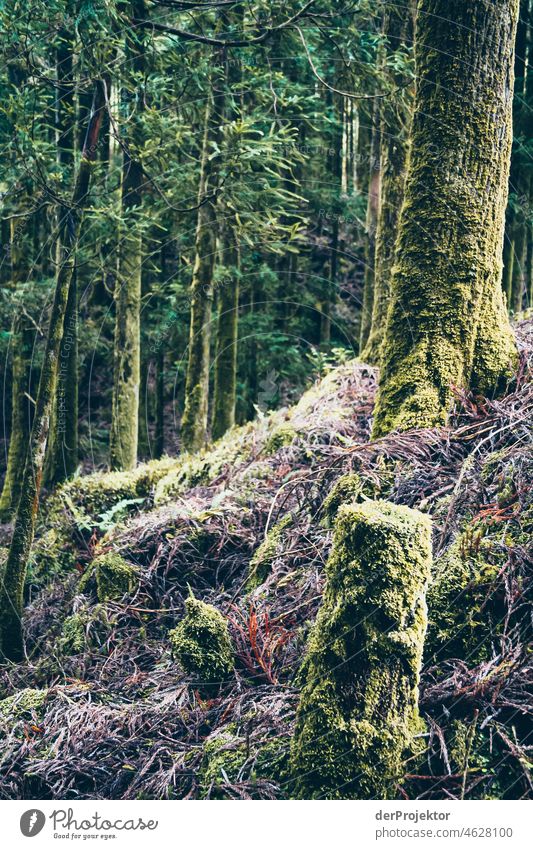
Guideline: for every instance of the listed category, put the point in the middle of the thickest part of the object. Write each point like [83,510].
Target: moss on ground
[114,577]
[358,713]
[202,645]
[25,705]
[261,562]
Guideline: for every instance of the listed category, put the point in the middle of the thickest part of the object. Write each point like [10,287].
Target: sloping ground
[102,710]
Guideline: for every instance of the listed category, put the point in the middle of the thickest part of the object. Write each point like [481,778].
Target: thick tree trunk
[393,155]
[12,586]
[225,386]
[124,433]
[447,325]
[194,421]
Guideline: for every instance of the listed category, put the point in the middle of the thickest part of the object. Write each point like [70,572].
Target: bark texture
[447,324]
[194,422]
[127,343]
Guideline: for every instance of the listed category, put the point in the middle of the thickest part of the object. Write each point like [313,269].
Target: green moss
[345,490]
[224,756]
[449,328]
[94,494]
[202,468]
[86,629]
[202,645]
[25,705]
[358,713]
[227,760]
[280,437]
[464,603]
[114,577]
[261,562]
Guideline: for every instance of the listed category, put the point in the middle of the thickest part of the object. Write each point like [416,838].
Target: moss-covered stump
[113,576]
[202,645]
[358,716]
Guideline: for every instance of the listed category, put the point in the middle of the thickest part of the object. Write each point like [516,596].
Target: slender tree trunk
[159,436]
[62,452]
[372,212]
[194,421]
[21,410]
[127,343]
[225,388]
[12,586]
[393,156]
[447,326]
[336,177]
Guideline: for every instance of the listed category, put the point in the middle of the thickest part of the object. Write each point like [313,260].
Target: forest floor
[100,709]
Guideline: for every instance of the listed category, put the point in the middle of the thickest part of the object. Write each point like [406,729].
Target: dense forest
[265,277]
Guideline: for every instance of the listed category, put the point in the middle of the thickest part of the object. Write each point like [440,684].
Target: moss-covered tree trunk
[62,451]
[358,718]
[447,324]
[12,586]
[21,413]
[124,432]
[225,377]
[195,413]
[395,120]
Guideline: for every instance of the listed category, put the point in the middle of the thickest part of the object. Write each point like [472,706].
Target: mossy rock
[202,645]
[26,705]
[113,577]
[358,715]
[261,563]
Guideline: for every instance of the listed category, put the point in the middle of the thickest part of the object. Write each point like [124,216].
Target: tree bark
[372,213]
[447,325]
[194,421]
[62,452]
[12,586]
[393,156]
[225,386]
[124,433]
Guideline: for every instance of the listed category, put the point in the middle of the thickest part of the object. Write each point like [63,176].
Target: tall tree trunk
[62,452]
[194,421]
[12,586]
[127,343]
[159,435]
[519,178]
[336,177]
[447,325]
[225,386]
[372,212]
[393,156]
[21,410]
